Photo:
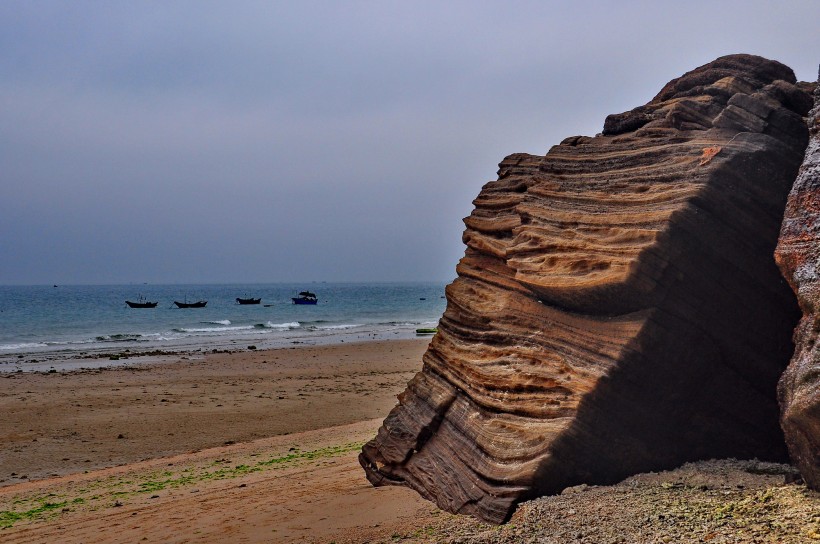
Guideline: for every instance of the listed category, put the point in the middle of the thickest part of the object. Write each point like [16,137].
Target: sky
[217,142]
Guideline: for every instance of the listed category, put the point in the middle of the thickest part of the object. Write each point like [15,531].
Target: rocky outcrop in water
[617,309]
[798,255]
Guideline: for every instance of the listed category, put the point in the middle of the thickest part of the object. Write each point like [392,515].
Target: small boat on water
[248,300]
[199,304]
[141,303]
[305,297]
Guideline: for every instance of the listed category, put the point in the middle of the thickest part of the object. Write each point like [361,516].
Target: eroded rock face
[617,309]
[798,255]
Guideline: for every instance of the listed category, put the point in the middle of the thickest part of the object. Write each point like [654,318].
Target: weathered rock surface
[617,309]
[798,255]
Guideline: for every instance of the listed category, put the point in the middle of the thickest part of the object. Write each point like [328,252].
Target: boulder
[798,255]
[617,309]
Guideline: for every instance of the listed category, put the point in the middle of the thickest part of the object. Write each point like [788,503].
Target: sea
[52,328]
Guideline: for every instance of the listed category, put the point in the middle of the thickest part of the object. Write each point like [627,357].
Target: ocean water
[74,321]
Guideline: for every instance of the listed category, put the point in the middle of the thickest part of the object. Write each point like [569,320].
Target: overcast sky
[196,141]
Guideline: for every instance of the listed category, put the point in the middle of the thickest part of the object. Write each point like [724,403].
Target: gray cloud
[267,141]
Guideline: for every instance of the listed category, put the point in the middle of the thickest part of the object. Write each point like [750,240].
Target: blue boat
[305,297]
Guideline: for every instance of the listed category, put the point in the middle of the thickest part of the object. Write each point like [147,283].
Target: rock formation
[798,255]
[617,309]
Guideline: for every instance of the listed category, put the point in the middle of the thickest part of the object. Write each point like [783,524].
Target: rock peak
[720,79]
[753,70]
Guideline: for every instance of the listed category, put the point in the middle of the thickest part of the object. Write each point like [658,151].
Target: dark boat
[200,304]
[141,304]
[248,300]
[305,297]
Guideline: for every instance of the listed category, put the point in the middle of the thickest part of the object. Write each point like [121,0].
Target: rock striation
[617,309]
[798,255]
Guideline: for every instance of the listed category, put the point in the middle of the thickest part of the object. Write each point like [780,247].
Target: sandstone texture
[617,309]
[798,255]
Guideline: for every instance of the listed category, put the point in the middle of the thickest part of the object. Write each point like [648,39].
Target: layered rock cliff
[798,255]
[617,309]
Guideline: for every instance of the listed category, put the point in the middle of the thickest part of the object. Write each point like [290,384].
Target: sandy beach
[96,442]
[67,422]
[261,446]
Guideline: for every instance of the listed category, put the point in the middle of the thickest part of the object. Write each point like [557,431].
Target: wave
[287,326]
[404,323]
[212,329]
[339,327]
[217,322]
[26,345]
[326,325]
[119,338]
[236,328]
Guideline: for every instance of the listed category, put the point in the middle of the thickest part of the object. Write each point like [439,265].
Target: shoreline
[125,354]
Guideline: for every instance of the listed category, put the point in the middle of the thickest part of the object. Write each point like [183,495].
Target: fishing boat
[240,300]
[305,297]
[199,304]
[141,303]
